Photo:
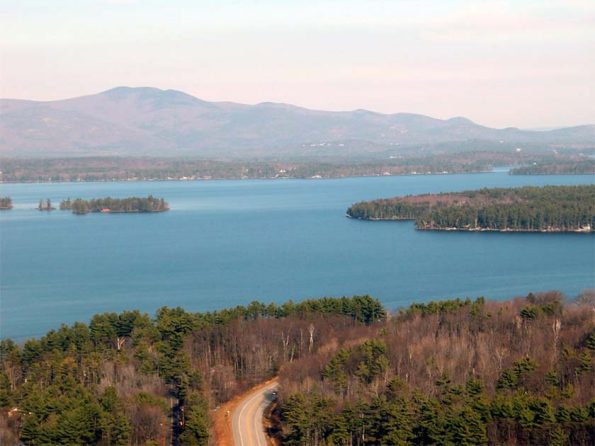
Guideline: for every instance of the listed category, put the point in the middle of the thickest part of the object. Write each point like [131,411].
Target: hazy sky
[517,63]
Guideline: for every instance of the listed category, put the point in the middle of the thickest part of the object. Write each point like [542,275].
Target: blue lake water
[226,243]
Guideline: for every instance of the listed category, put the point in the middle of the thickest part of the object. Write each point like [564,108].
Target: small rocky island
[5,203]
[525,209]
[115,205]
[45,205]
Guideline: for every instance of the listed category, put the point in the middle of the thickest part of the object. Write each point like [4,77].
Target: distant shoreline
[164,180]
[128,169]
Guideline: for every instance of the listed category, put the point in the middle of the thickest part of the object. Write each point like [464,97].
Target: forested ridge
[129,378]
[548,208]
[116,205]
[449,372]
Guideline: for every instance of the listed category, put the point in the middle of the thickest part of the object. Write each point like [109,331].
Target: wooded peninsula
[115,205]
[458,372]
[525,209]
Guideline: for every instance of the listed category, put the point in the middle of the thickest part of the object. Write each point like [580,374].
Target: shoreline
[530,231]
[180,180]
[507,230]
[117,212]
[191,180]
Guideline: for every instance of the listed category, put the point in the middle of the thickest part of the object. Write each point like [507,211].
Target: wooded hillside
[450,372]
[131,379]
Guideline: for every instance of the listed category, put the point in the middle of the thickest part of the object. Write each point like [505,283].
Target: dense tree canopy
[549,208]
[121,205]
[455,372]
[127,378]
[446,372]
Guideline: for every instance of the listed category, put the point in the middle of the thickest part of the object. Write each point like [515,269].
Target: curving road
[246,421]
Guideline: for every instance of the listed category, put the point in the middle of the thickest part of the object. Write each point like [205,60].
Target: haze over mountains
[149,121]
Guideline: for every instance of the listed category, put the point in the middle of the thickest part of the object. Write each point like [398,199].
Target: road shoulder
[222,416]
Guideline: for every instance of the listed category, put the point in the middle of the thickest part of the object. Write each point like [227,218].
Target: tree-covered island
[115,205]
[526,209]
[5,203]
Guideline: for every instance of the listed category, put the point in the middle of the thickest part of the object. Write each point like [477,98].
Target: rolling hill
[148,121]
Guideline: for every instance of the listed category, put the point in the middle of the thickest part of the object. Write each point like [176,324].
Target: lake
[226,243]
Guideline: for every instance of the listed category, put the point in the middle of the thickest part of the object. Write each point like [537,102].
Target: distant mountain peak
[125,92]
[461,120]
[151,121]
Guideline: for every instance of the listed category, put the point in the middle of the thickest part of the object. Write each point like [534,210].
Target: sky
[528,64]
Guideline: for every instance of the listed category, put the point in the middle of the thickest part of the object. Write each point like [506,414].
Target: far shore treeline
[468,160]
[464,372]
[562,167]
[525,209]
[115,205]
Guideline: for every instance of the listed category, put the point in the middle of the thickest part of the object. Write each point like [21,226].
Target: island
[115,205]
[45,205]
[5,203]
[525,209]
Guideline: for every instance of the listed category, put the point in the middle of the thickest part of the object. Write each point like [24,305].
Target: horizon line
[145,87]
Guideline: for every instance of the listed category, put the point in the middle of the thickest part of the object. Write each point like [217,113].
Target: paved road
[246,421]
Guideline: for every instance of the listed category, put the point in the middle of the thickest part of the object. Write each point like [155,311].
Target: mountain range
[149,121]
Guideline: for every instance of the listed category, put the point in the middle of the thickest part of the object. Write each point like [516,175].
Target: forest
[570,167]
[115,205]
[132,379]
[449,372]
[384,163]
[5,203]
[457,372]
[531,209]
